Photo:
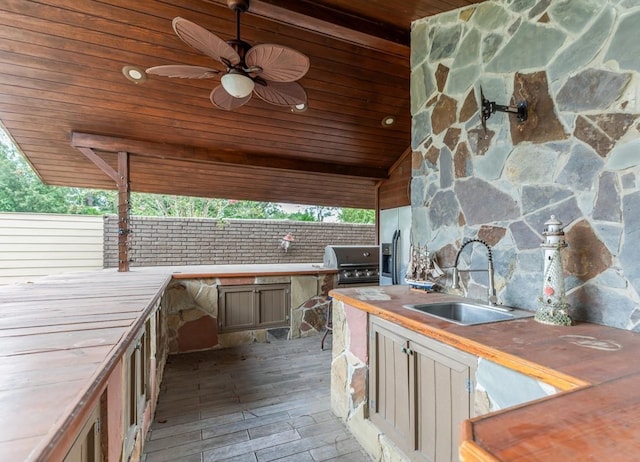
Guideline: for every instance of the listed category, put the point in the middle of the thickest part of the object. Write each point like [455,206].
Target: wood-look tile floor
[255,403]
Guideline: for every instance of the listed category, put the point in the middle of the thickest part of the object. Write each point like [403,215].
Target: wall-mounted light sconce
[490,107]
[286,241]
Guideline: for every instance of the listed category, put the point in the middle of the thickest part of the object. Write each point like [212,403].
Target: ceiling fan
[270,71]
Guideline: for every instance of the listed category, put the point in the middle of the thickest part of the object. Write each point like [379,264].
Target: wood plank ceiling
[62,87]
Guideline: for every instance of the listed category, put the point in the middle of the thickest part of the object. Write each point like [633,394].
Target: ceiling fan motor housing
[238,5]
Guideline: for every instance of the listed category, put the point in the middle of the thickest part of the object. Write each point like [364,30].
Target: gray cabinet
[87,446]
[420,391]
[137,392]
[253,306]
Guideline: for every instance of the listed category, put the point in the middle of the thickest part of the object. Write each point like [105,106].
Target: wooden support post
[377,211]
[121,178]
[124,211]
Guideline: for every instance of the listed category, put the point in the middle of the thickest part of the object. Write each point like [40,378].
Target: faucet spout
[455,282]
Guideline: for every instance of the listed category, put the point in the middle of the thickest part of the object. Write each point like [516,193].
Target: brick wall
[199,241]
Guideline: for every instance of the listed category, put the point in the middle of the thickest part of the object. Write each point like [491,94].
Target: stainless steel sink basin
[469,313]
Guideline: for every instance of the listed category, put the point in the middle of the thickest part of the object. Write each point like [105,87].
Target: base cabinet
[253,306]
[420,391]
[87,446]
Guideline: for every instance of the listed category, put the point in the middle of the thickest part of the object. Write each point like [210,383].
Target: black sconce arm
[490,107]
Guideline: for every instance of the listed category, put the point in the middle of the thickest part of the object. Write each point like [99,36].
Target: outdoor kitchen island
[592,411]
[82,357]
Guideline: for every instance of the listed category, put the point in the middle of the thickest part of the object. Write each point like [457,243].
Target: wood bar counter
[66,349]
[595,416]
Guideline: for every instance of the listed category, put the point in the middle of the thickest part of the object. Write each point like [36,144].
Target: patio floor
[260,402]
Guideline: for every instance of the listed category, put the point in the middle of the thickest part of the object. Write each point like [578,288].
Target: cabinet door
[273,305]
[442,402]
[137,365]
[237,307]
[389,397]
[254,306]
[420,391]
[87,446]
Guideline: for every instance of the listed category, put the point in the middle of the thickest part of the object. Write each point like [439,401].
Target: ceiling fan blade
[203,40]
[278,63]
[223,100]
[281,93]
[183,71]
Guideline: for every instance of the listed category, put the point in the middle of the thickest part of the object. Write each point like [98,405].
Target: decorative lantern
[552,305]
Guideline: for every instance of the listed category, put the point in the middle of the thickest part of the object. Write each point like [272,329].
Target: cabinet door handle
[404,350]
[409,351]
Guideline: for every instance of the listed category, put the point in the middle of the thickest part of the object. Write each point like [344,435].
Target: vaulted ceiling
[62,92]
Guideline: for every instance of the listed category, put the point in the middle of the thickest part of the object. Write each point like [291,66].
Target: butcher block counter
[595,417]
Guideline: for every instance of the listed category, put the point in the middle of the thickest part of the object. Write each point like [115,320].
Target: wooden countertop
[232,271]
[61,336]
[596,418]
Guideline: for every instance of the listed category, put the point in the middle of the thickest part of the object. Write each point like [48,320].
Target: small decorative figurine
[412,267]
[552,305]
[285,242]
[422,269]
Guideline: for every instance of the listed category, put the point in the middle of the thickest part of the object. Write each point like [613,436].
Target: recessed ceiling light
[299,107]
[134,73]
[388,121]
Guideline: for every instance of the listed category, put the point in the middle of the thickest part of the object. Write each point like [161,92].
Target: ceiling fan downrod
[238,5]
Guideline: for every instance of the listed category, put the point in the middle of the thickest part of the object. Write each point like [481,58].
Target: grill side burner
[356,264]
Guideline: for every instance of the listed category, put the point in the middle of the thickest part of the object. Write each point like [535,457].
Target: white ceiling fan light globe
[237,85]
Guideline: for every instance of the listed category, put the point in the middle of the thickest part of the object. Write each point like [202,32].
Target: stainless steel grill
[356,264]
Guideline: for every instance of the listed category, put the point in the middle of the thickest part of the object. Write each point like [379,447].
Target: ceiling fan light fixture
[237,84]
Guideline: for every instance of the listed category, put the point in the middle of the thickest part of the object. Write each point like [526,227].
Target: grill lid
[351,256]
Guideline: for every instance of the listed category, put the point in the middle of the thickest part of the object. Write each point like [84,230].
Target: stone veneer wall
[576,63]
[200,241]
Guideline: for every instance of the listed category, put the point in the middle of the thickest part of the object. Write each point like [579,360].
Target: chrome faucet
[455,284]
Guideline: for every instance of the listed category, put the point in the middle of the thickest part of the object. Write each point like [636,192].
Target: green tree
[254,210]
[22,191]
[320,213]
[166,205]
[357,216]
[301,216]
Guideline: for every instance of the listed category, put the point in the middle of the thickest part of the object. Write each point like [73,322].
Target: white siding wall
[34,245]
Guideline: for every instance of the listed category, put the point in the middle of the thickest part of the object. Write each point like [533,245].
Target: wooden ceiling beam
[334,23]
[197,154]
[401,159]
[101,164]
